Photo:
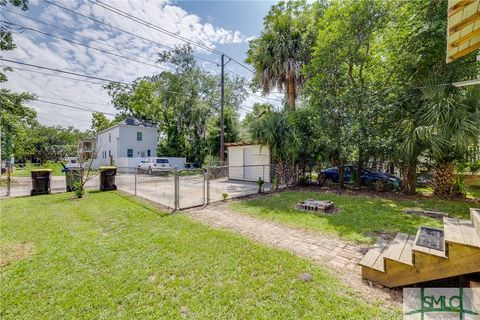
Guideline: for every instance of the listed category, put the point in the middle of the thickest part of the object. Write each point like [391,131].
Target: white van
[155,164]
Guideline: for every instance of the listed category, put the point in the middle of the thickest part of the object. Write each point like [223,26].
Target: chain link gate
[190,188]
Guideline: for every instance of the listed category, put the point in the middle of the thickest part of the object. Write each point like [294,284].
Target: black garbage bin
[107,178]
[40,181]
[72,176]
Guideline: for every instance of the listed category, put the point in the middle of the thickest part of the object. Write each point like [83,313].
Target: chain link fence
[172,188]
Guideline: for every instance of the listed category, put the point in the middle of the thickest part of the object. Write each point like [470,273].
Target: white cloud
[45,51]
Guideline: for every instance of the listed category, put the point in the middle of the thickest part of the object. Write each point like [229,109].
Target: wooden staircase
[402,262]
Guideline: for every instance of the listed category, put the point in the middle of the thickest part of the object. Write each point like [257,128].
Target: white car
[155,164]
[72,162]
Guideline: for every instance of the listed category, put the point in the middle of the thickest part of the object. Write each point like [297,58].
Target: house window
[142,154]
[109,137]
[129,153]
[139,136]
[148,153]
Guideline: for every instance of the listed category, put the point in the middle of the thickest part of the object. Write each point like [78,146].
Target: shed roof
[240,143]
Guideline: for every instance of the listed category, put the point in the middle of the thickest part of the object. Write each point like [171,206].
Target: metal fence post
[207,185]
[136,171]
[9,180]
[177,191]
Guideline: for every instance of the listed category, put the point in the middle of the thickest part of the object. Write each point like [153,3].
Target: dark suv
[367,177]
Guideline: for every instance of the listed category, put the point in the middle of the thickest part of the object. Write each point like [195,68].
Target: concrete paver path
[340,256]
[317,246]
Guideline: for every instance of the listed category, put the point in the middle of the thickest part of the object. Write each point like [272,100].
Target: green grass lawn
[360,217]
[25,171]
[108,256]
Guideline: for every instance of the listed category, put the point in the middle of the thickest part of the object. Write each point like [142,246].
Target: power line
[74,107]
[165,31]
[46,118]
[62,71]
[266,98]
[47,90]
[120,29]
[236,74]
[57,75]
[152,26]
[81,102]
[75,74]
[93,48]
[242,65]
[77,35]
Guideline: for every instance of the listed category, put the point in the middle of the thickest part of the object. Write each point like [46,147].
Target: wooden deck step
[407,256]
[422,249]
[461,232]
[475,217]
[372,257]
[453,233]
[470,234]
[397,247]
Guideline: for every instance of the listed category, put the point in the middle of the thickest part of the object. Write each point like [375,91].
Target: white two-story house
[126,144]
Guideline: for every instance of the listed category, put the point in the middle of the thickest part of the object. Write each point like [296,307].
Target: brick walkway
[316,246]
[340,256]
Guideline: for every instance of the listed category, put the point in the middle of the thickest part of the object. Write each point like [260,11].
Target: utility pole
[222,93]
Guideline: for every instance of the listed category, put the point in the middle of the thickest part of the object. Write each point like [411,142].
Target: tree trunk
[443,180]
[359,170]
[341,171]
[409,177]
[291,93]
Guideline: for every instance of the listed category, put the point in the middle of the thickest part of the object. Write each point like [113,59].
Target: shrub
[225,196]
[78,189]
[276,183]
[260,183]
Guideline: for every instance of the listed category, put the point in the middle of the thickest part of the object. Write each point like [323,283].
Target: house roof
[130,122]
[137,122]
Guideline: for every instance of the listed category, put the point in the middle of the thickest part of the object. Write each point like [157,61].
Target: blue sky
[223,25]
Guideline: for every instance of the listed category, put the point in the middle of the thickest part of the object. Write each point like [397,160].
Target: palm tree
[279,54]
[275,130]
[450,124]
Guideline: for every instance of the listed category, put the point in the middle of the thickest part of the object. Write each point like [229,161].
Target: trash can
[72,176]
[107,178]
[40,181]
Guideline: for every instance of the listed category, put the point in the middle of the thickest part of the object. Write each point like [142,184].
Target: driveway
[156,188]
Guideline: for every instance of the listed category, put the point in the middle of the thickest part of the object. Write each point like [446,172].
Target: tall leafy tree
[15,116]
[284,46]
[346,78]
[99,122]
[182,103]
[415,47]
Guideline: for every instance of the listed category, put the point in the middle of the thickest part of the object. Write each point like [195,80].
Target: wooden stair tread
[407,255]
[470,235]
[461,232]
[453,232]
[372,255]
[395,248]
[475,217]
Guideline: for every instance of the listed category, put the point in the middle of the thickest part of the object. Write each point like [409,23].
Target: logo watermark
[441,303]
